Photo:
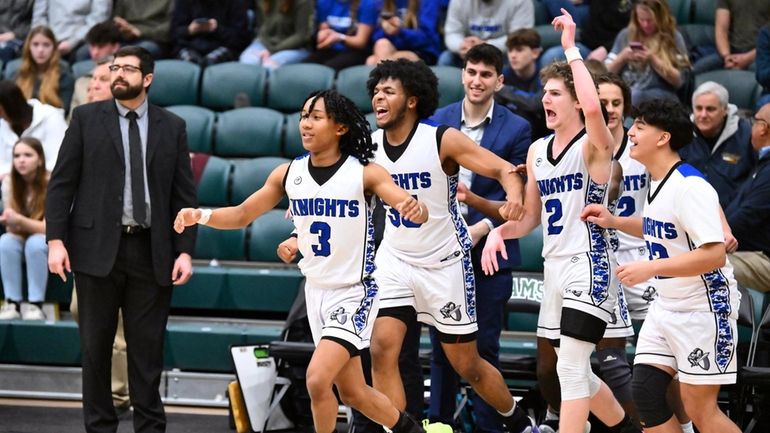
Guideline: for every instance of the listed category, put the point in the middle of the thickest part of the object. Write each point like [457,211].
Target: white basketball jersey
[636,183]
[565,189]
[334,228]
[680,215]
[444,238]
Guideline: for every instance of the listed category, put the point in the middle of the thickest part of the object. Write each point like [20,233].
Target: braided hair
[357,142]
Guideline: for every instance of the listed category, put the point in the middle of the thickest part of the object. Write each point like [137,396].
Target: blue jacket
[509,137]
[763,58]
[749,212]
[425,40]
[731,160]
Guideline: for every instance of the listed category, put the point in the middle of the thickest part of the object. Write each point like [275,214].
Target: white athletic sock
[687,427]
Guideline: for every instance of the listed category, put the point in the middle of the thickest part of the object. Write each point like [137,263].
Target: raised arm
[457,148]
[234,217]
[378,182]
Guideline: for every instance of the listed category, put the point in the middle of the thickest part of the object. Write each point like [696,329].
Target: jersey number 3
[324,232]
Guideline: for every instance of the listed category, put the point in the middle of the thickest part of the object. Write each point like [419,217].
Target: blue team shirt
[336,13]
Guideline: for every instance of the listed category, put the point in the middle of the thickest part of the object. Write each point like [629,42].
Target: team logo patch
[451,311]
[642,251]
[297,180]
[649,294]
[574,259]
[538,162]
[576,293]
[339,315]
[613,318]
[700,359]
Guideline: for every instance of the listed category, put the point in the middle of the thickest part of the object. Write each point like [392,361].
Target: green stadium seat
[531,248]
[250,175]
[82,68]
[249,132]
[705,11]
[175,82]
[450,86]
[289,85]
[11,68]
[200,126]
[2,65]
[741,85]
[215,182]
[292,140]
[541,13]
[548,36]
[220,244]
[681,10]
[265,233]
[222,82]
[697,35]
[351,82]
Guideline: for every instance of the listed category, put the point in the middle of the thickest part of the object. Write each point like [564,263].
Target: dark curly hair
[357,142]
[417,79]
[667,115]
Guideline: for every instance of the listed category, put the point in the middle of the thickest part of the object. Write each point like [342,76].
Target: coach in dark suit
[122,175]
[507,135]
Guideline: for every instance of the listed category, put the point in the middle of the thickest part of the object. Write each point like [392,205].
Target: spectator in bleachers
[407,29]
[15,18]
[102,40]
[70,20]
[577,8]
[748,214]
[27,118]
[736,24]
[471,22]
[721,148]
[650,54]
[284,34]
[522,90]
[94,86]
[23,244]
[42,75]
[206,32]
[343,32]
[763,64]
[145,23]
[606,18]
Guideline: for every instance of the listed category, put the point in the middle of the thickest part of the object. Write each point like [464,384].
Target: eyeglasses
[755,120]
[129,69]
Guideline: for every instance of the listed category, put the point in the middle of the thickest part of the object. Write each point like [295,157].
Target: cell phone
[636,45]
[201,20]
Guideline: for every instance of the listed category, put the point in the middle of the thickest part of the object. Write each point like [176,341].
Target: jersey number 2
[324,232]
[553,206]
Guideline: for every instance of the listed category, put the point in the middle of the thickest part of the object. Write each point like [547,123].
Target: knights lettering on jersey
[333,224]
[444,238]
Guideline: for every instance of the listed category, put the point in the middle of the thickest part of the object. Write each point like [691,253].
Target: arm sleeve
[621,41]
[698,210]
[454,27]
[180,20]
[183,193]
[749,216]
[40,13]
[303,28]
[421,37]
[763,56]
[101,11]
[64,180]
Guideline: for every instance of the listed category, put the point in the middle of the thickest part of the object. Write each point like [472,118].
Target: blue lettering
[658,229]
[565,183]
[329,207]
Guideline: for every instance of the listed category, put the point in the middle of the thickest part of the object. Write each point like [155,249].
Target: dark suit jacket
[509,137]
[84,203]
[749,212]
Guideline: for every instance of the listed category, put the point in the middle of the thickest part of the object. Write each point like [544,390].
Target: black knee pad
[615,371]
[649,387]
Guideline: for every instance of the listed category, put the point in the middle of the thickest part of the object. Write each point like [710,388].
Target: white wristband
[205,215]
[572,54]
[489,224]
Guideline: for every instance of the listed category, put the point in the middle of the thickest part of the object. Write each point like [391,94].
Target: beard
[398,116]
[127,92]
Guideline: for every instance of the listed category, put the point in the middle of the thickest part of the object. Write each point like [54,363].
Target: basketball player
[691,328]
[425,269]
[566,171]
[328,190]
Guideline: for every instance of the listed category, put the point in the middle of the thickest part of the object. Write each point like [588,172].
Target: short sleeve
[698,211]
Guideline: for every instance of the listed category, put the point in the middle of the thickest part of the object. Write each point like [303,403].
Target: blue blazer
[509,137]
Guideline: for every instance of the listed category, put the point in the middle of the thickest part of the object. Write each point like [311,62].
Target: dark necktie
[137,170]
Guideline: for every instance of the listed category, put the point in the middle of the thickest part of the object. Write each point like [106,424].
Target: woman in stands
[407,29]
[24,241]
[343,32]
[329,192]
[42,75]
[284,34]
[650,54]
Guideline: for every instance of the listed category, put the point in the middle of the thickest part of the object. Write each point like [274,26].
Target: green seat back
[11,68]
[741,85]
[250,175]
[223,81]
[82,68]
[289,85]
[175,82]
[450,86]
[214,184]
[531,249]
[351,82]
[266,232]
[697,35]
[292,140]
[705,11]
[249,132]
[220,244]
[200,126]
[681,10]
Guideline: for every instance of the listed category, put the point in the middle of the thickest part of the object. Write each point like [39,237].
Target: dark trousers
[338,60]
[130,286]
[492,293]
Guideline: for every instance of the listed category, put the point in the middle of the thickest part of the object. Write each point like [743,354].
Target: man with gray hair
[721,148]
